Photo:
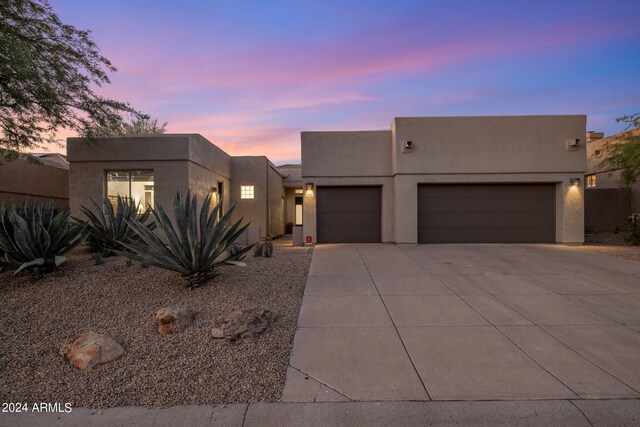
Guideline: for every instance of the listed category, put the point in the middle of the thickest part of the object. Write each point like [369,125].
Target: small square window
[246,192]
[591,181]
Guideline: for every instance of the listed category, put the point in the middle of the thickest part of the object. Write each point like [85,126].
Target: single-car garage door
[486,213]
[349,214]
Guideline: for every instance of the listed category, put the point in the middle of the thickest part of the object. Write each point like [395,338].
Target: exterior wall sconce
[309,191]
[574,181]
[407,146]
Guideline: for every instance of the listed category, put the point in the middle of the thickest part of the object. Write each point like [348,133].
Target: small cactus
[267,249]
[257,249]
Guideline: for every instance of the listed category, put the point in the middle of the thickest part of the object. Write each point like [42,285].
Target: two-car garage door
[486,213]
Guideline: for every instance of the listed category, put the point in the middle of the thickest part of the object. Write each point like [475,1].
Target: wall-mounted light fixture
[309,191]
[574,181]
[407,146]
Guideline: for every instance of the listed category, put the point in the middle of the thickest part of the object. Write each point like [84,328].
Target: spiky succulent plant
[192,247]
[108,227]
[33,237]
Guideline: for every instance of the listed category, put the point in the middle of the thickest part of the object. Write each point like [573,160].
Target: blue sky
[250,76]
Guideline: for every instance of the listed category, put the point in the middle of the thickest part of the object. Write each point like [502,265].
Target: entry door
[486,213]
[349,214]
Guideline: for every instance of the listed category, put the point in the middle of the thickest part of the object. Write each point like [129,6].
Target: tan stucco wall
[490,144]
[179,162]
[19,179]
[276,202]
[348,154]
[290,205]
[87,181]
[249,170]
[203,180]
[450,150]
[294,175]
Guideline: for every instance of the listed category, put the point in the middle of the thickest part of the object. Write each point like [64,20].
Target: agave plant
[34,237]
[109,227]
[193,248]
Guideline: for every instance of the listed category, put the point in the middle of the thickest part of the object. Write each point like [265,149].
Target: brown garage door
[486,213]
[348,214]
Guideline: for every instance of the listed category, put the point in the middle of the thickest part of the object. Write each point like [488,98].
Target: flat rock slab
[242,324]
[174,320]
[91,349]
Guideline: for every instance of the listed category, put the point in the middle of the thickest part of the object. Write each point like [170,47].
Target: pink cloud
[359,56]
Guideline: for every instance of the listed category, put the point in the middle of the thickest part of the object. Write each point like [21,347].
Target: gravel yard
[612,244]
[38,316]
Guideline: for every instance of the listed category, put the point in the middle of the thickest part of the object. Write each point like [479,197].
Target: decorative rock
[91,349]
[173,320]
[242,324]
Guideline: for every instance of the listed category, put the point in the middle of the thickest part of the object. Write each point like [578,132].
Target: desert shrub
[109,227]
[631,232]
[33,237]
[98,258]
[263,248]
[267,249]
[194,248]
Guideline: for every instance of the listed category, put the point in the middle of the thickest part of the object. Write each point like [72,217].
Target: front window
[135,185]
[247,192]
[298,210]
[591,181]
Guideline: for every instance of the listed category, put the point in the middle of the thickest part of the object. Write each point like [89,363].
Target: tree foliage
[48,73]
[135,125]
[626,154]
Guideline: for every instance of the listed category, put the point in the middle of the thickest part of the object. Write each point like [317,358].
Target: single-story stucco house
[151,169]
[425,180]
[42,178]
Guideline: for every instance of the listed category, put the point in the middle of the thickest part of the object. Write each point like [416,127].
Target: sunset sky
[250,76]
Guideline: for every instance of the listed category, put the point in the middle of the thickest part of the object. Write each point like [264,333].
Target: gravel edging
[38,316]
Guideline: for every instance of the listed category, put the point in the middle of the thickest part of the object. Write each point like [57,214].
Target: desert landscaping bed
[37,317]
[613,244]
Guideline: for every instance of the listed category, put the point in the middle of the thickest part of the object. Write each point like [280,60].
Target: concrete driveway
[466,322]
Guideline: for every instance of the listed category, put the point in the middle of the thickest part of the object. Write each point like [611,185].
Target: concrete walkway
[466,322]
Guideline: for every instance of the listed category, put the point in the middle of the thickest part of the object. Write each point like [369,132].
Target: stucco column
[570,212]
[309,215]
[406,209]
